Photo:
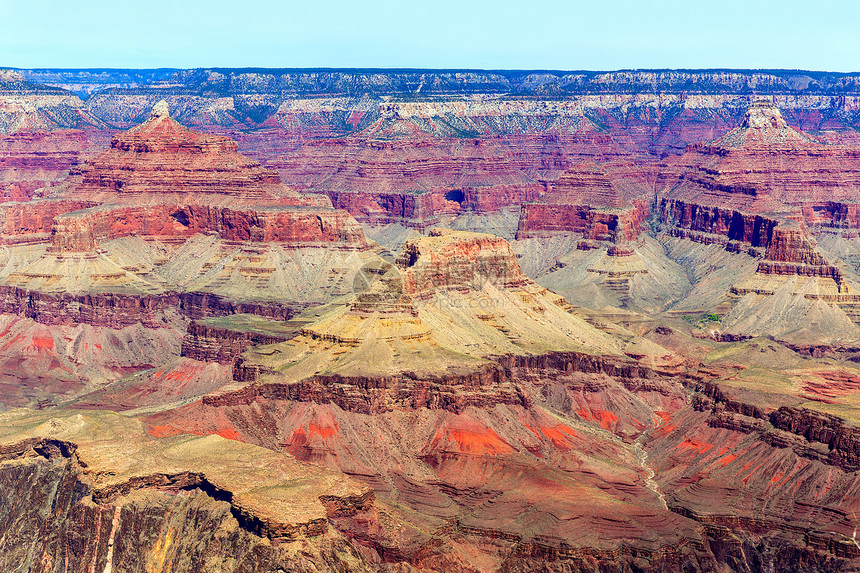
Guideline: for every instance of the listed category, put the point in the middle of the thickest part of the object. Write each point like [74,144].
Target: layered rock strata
[762,166]
[129,495]
[600,205]
[167,187]
[295,226]
[161,159]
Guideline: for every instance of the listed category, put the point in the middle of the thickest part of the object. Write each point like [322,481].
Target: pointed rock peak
[161,109]
[764,126]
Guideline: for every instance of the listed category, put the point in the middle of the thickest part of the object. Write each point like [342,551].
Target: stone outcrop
[603,202]
[295,226]
[162,160]
[33,221]
[116,310]
[764,183]
[754,229]
[763,165]
[160,186]
[31,161]
[220,343]
[206,485]
[420,180]
[447,259]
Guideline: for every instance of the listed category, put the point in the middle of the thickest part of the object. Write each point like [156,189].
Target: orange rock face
[605,203]
[83,230]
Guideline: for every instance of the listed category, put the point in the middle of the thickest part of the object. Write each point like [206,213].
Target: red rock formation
[161,160]
[32,160]
[761,166]
[756,230]
[458,263]
[125,534]
[84,230]
[415,179]
[33,221]
[541,219]
[603,202]
[762,184]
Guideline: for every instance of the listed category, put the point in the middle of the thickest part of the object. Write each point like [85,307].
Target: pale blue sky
[530,34]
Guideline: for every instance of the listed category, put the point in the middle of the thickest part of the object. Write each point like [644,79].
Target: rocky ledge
[113,485]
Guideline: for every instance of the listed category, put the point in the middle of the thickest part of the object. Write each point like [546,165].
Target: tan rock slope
[249,497]
[454,299]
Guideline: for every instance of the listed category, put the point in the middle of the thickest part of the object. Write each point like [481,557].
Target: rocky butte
[166,226]
[429,321]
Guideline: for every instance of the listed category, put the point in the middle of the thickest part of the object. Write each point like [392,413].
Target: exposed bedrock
[765,184]
[802,429]
[121,310]
[168,158]
[383,176]
[103,309]
[785,479]
[32,221]
[754,229]
[335,420]
[842,439]
[31,161]
[495,383]
[61,518]
[793,246]
[604,200]
[301,226]
[437,262]
[788,249]
[663,110]
[210,343]
[540,219]
[423,210]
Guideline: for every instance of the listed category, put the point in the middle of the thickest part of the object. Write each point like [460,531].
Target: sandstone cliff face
[28,108]
[32,221]
[201,511]
[756,230]
[662,111]
[496,421]
[86,229]
[161,158]
[604,203]
[317,82]
[30,161]
[762,165]
[493,427]
[462,261]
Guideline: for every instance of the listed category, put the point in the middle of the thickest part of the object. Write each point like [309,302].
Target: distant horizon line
[430,70]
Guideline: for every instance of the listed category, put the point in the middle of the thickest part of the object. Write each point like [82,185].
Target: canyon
[418,320]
